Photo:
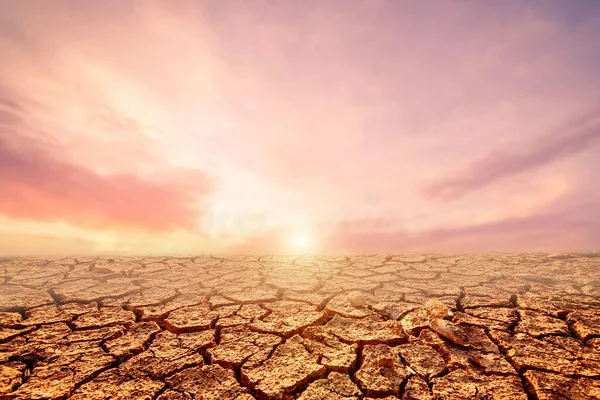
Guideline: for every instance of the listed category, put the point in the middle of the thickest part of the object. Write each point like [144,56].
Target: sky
[263,126]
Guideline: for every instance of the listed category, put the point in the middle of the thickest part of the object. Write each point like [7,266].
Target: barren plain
[496,326]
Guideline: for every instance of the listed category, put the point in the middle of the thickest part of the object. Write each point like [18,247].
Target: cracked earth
[523,326]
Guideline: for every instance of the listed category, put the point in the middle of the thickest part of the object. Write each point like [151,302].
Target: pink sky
[292,126]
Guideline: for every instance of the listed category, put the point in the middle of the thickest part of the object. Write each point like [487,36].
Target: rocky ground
[523,326]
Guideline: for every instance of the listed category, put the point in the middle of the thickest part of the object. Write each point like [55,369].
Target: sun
[300,242]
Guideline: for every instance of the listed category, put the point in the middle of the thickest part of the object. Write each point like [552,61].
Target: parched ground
[523,326]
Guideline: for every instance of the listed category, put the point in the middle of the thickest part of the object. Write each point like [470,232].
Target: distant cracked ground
[512,327]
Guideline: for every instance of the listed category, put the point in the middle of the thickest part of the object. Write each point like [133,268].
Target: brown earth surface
[499,326]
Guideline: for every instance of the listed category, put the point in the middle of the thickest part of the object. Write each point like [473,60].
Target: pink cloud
[570,139]
[544,232]
[36,185]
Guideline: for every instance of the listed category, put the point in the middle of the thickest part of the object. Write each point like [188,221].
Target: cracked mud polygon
[498,326]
